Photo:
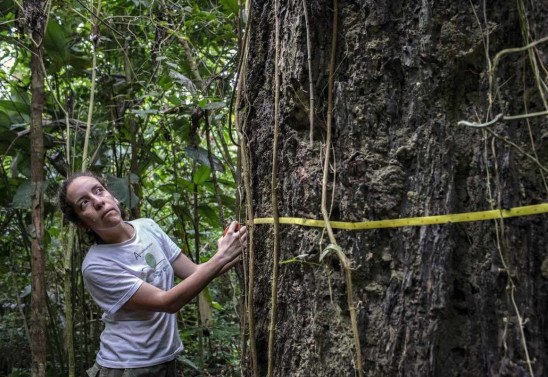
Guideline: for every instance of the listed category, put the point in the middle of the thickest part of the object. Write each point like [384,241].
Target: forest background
[198,112]
[138,91]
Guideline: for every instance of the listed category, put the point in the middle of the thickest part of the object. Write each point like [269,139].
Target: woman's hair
[67,209]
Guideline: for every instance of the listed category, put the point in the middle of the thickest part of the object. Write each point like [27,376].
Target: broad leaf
[6,140]
[56,42]
[182,212]
[23,196]
[122,190]
[156,203]
[189,363]
[201,175]
[230,5]
[200,155]
[5,121]
[183,80]
[214,105]
[209,215]
[11,105]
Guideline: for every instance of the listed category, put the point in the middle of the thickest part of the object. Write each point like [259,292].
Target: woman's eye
[83,204]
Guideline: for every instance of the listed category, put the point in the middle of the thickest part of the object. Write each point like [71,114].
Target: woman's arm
[151,298]
[229,266]
[183,266]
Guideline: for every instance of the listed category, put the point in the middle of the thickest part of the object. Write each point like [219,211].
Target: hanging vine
[345,262]
[249,257]
[497,203]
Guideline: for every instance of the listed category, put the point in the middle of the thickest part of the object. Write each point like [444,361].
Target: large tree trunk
[440,300]
[34,10]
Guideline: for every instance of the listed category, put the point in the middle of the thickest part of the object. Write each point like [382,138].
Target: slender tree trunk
[36,23]
[68,243]
[467,299]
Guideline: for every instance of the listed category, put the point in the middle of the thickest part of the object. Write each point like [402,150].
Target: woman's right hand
[232,243]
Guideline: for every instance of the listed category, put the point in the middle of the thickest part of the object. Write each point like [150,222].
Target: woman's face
[94,205]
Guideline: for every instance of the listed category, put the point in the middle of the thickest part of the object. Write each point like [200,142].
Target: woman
[129,273]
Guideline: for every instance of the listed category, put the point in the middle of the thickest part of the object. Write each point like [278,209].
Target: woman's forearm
[151,298]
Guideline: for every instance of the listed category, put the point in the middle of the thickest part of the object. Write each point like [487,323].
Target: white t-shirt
[112,274]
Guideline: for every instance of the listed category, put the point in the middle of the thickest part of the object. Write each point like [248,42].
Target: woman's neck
[117,234]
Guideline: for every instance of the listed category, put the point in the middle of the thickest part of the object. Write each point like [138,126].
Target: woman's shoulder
[143,221]
[144,224]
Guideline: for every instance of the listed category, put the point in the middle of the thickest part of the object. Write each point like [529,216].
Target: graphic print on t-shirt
[140,254]
[151,261]
[154,268]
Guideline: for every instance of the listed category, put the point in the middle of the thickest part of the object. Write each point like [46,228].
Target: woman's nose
[97,201]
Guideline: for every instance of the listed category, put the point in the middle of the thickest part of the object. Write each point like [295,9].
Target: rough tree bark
[433,300]
[35,22]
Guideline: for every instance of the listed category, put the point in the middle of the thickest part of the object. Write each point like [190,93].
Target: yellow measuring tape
[413,221]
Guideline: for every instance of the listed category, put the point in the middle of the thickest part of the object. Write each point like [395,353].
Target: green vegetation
[159,131]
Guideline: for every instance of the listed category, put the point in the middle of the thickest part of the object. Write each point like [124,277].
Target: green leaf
[79,62]
[23,196]
[156,203]
[290,260]
[201,175]
[230,5]
[21,163]
[200,155]
[189,363]
[6,139]
[7,6]
[56,42]
[214,106]
[165,82]
[11,106]
[122,191]
[182,128]
[209,215]
[182,212]
[226,182]
[184,184]
[5,121]
[144,113]
[183,80]
[6,188]
[153,157]
[168,188]
[228,201]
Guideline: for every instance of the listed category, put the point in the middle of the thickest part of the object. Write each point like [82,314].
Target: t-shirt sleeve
[110,287]
[169,247]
